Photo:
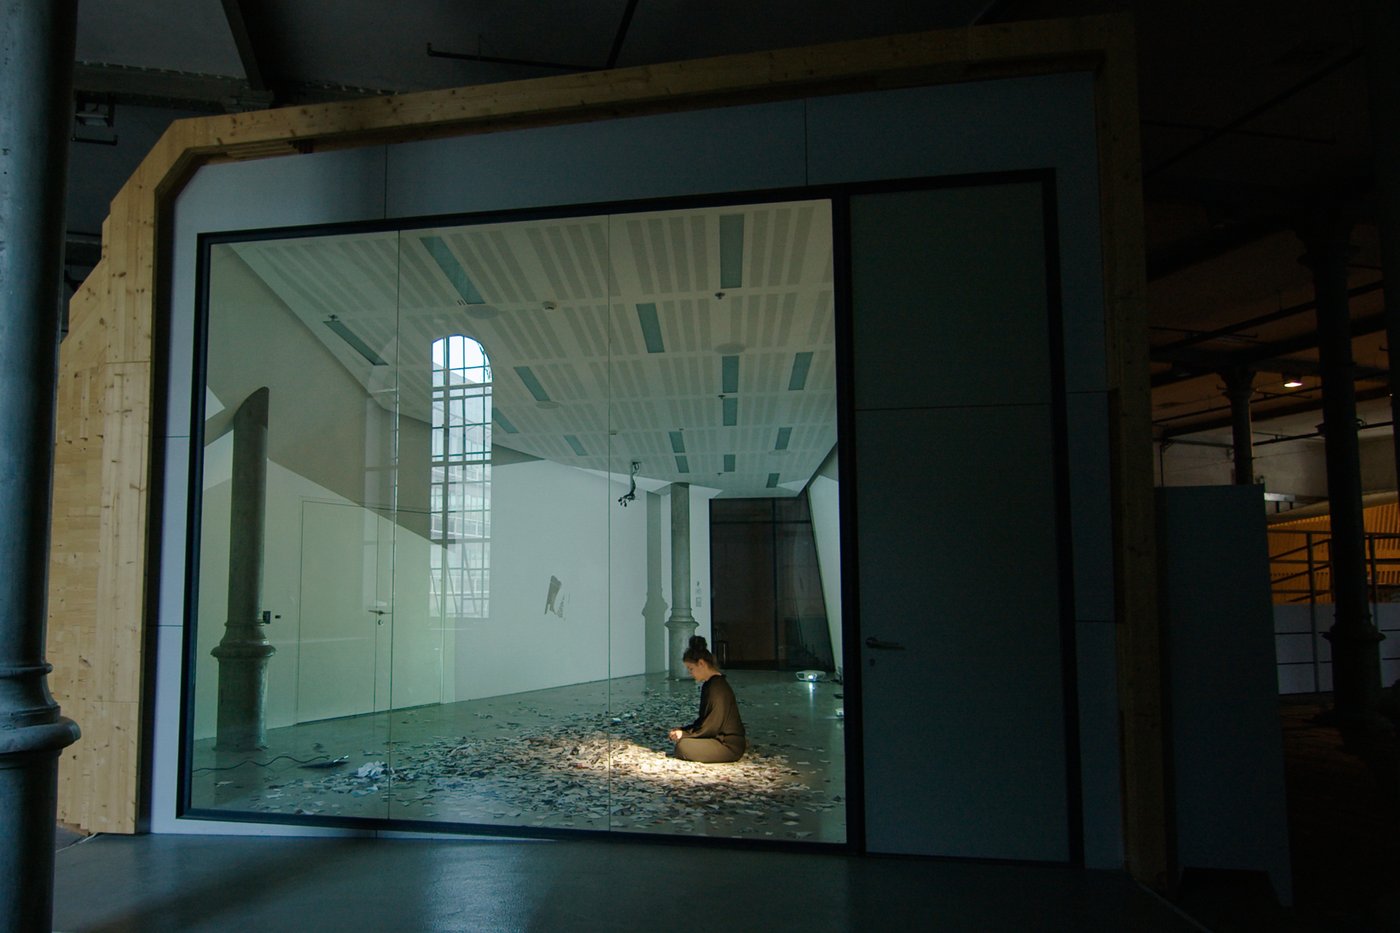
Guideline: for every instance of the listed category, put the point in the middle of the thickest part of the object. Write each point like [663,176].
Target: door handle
[879,645]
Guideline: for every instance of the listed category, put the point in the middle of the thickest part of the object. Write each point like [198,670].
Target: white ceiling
[561,300]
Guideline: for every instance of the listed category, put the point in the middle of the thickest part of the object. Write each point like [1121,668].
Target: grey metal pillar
[1239,389]
[654,611]
[36,96]
[682,623]
[1355,641]
[244,650]
[1382,36]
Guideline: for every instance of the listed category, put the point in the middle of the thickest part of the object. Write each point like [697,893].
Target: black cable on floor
[263,764]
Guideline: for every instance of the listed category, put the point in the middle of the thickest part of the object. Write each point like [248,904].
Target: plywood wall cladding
[98,599]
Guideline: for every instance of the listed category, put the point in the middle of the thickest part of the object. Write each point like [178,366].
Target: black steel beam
[243,41]
[1196,363]
[621,36]
[1270,318]
[159,88]
[255,41]
[1286,94]
[1264,416]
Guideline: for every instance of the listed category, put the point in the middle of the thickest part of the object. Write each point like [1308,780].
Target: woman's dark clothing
[717,734]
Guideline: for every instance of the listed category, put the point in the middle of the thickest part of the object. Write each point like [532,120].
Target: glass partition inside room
[454,527]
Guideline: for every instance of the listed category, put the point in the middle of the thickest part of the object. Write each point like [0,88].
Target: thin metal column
[36,96]
[1239,389]
[1382,36]
[1355,641]
[244,650]
[682,623]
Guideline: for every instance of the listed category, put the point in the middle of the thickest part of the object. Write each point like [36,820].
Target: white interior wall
[552,520]
[1292,467]
[547,520]
[1377,463]
[281,582]
[1296,468]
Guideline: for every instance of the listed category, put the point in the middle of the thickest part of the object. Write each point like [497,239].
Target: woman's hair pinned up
[698,651]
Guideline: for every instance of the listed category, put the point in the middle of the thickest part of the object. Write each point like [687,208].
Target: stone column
[244,650]
[1355,640]
[36,115]
[1239,389]
[654,611]
[682,624]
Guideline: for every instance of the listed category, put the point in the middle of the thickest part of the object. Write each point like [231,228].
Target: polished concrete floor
[590,756]
[146,884]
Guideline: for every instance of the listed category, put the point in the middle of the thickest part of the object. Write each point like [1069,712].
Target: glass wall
[454,528]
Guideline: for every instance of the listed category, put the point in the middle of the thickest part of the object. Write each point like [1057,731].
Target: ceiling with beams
[698,344]
[1253,114]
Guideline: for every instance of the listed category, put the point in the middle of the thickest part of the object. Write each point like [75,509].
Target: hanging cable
[631,494]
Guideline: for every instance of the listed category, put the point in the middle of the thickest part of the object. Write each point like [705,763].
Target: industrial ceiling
[1252,114]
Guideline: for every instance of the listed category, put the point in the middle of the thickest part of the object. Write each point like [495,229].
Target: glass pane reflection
[475,436]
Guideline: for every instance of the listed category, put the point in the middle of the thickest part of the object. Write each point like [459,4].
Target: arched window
[461,478]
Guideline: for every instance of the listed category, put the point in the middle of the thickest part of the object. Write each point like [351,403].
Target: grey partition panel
[1045,122]
[978,126]
[1089,478]
[664,155]
[959,554]
[1227,743]
[950,297]
[964,722]
[1100,757]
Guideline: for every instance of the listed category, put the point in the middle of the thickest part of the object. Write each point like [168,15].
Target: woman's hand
[674,735]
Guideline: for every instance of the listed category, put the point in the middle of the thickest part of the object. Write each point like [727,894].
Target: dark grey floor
[208,883]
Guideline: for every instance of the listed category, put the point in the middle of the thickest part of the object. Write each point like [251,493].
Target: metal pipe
[36,96]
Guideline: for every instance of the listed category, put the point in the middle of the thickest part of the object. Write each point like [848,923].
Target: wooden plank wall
[102,472]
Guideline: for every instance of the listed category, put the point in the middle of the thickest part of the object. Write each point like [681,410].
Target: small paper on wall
[554,601]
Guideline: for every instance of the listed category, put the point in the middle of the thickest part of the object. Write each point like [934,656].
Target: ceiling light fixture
[338,328]
[1293,382]
[456,276]
[651,327]
[731,251]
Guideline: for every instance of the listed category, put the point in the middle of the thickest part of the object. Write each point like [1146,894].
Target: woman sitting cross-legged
[717,734]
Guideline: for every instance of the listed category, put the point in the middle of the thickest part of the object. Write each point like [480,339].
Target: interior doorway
[769,609]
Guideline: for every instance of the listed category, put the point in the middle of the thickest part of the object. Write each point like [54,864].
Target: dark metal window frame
[839,196]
